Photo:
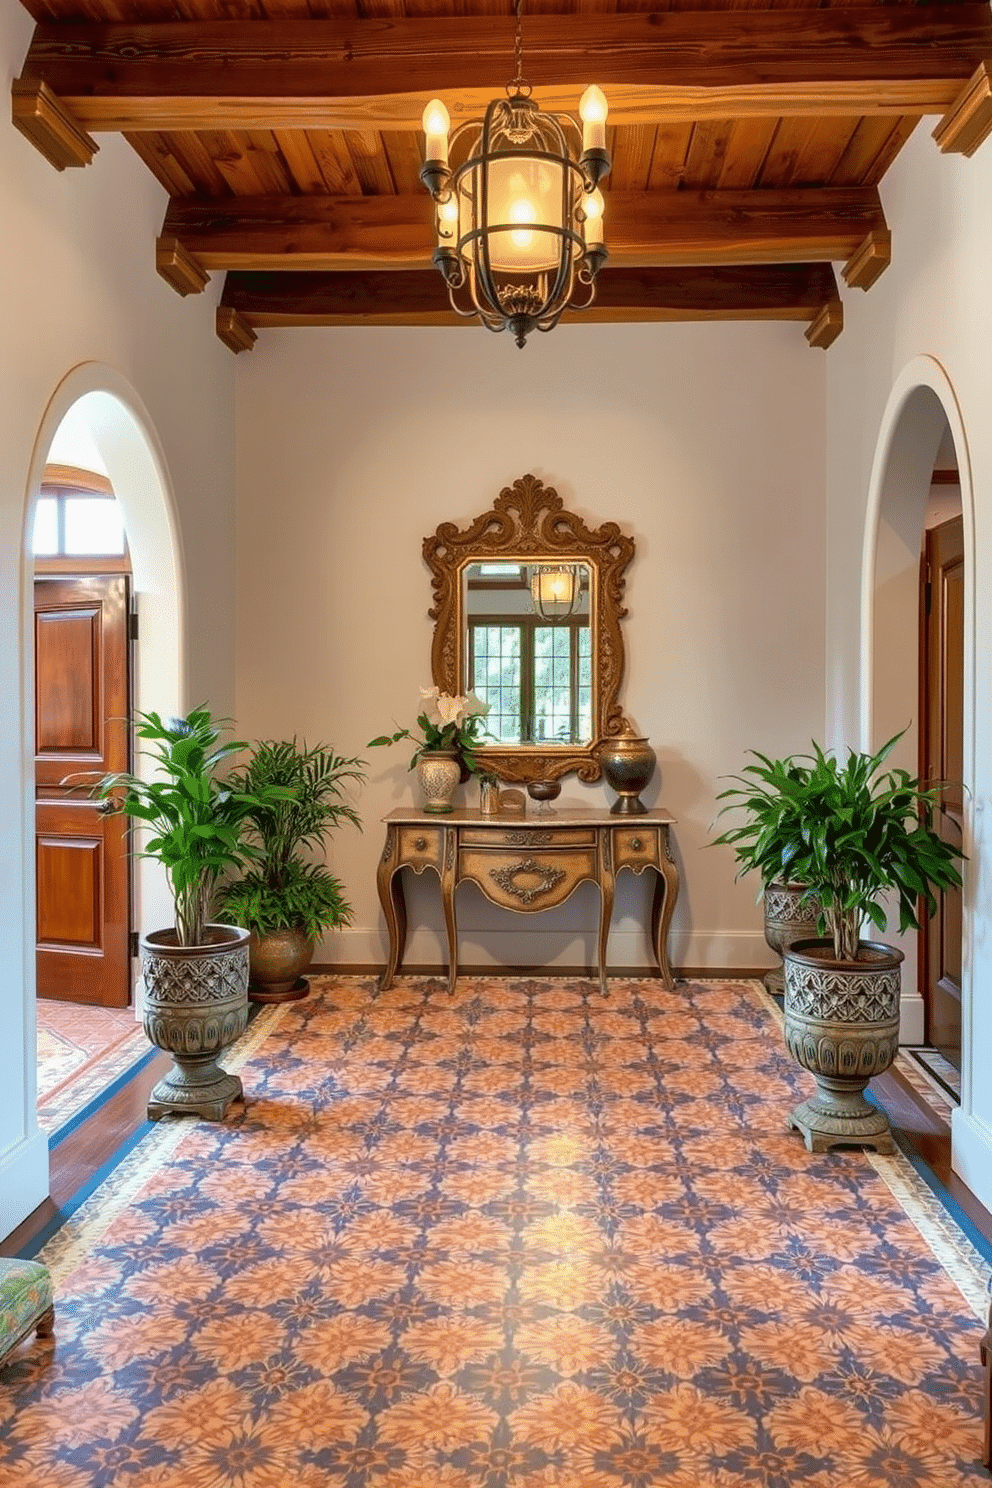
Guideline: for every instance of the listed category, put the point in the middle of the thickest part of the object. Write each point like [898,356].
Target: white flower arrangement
[446,722]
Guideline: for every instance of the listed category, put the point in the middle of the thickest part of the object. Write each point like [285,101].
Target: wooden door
[942,713]
[81,724]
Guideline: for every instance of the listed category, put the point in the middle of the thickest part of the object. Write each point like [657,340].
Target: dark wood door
[942,712]
[81,724]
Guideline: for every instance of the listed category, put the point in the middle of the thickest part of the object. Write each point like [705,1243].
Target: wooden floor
[93,1143]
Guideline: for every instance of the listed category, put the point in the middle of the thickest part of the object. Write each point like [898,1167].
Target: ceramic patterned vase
[787,919]
[439,773]
[842,1024]
[195,1005]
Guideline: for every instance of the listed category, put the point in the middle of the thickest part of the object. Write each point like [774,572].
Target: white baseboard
[534,946]
[23,1180]
[911,1018]
[971,1154]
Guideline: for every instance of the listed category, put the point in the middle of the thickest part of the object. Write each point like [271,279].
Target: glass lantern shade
[510,219]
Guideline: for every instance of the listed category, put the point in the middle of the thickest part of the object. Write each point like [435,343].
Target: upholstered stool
[25,1303]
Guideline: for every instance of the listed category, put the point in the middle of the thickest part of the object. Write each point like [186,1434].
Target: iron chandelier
[519,212]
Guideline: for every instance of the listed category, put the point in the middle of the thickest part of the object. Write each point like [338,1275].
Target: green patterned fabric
[25,1295]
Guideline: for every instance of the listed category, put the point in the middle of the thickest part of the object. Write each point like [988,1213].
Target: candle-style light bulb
[447,219]
[593,109]
[437,122]
[593,207]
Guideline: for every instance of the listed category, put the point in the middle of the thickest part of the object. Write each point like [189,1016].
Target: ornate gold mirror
[527,611]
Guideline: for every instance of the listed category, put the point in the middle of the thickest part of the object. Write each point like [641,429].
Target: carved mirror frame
[528,521]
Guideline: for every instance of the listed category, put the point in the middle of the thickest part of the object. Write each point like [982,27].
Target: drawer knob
[636,844]
[420,843]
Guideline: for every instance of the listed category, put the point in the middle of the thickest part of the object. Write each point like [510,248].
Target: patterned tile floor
[81,1050]
[515,1237]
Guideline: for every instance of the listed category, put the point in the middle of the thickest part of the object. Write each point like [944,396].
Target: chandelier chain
[518,51]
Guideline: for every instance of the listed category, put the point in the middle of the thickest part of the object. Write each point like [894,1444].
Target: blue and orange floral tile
[517,1236]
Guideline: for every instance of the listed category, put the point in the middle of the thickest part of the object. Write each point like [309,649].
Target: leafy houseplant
[283,899]
[195,974]
[852,833]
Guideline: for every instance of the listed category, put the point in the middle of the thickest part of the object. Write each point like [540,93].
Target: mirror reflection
[528,649]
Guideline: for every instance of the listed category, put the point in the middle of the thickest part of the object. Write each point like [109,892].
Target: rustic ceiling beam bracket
[234,330]
[365,74]
[43,118]
[826,325]
[178,267]
[871,259]
[964,127]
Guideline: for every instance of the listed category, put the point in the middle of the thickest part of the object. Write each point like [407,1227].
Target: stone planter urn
[842,1024]
[439,772]
[195,1006]
[786,919]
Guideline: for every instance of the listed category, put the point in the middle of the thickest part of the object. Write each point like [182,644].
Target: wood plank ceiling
[748,141]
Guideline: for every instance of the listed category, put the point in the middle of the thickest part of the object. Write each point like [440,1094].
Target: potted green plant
[284,899]
[853,833]
[452,729]
[790,910]
[196,972]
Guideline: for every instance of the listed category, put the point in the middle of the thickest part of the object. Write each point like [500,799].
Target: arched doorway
[95,414]
[922,452]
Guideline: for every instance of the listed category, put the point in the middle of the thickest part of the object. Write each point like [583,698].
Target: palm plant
[850,832]
[282,889]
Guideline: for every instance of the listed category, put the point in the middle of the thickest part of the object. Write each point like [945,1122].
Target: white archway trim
[124,434]
[901,454]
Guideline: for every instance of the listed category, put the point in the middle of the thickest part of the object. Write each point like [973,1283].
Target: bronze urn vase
[628,763]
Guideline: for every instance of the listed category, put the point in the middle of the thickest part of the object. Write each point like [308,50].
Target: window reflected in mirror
[528,649]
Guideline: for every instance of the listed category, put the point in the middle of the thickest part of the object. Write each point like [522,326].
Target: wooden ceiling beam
[645,229]
[800,292]
[377,74]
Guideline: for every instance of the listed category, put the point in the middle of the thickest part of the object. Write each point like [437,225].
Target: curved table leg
[666,895]
[389,882]
[449,883]
[607,881]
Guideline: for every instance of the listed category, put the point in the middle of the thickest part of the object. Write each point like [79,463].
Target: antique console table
[527,864]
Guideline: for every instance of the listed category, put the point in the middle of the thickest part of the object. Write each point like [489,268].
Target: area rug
[517,1236]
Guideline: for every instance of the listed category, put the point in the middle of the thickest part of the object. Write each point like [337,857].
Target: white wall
[926,322]
[704,442]
[77,262]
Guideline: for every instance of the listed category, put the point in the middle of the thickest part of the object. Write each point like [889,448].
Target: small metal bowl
[544,792]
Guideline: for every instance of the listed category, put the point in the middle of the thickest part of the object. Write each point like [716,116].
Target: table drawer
[527,837]
[528,880]
[636,847]
[421,847]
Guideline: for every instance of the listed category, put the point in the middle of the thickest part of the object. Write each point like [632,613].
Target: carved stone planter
[786,919]
[842,1024]
[276,963]
[195,1005]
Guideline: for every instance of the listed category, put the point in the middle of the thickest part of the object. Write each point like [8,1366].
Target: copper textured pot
[276,963]
[842,1024]
[628,763]
[195,1004]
